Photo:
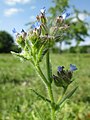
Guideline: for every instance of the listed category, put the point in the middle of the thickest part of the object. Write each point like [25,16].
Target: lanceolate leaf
[66,97]
[19,55]
[23,56]
[42,97]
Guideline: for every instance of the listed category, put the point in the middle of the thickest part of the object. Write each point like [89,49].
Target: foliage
[74,49]
[17,100]
[6,42]
[78,27]
[80,49]
[59,7]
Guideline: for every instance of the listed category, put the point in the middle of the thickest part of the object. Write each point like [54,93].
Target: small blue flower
[14,30]
[43,10]
[36,25]
[60,68]
[65,15]
[72,67]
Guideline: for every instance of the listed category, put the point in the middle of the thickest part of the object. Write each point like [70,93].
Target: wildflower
[36,25]
[72,67]
[65,15]
[59,18]
[64,77]
[42,15]
[60,68]
[23,33]
[43,10]
[14,30]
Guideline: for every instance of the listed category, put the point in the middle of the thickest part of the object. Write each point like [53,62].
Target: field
[18,102]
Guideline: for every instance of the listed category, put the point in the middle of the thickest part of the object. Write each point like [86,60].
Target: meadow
[18,102]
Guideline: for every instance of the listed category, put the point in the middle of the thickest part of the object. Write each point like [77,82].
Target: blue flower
[36,25]
[60,68]
[43,10]
[72,67]
[65,15]
[14,30]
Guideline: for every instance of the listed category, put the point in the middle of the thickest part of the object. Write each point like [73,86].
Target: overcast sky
[16,13]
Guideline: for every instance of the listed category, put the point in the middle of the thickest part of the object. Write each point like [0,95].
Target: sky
[16,13]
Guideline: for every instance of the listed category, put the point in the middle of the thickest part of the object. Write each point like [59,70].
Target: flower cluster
[36,42]
[64,77]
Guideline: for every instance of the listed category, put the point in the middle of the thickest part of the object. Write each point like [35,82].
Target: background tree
[6,42]
[78,30]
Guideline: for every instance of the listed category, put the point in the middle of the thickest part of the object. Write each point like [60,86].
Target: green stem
[50,93]
[52,103]
[61,96]
[42,75]
[53,114]
[48,67]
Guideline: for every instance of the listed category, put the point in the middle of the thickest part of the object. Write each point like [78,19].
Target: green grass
[17,102]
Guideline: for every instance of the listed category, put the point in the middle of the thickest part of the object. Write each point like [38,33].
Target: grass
[17,102]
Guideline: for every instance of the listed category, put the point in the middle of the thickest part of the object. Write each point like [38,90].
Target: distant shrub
[6,42]
[79,49]
[15,48]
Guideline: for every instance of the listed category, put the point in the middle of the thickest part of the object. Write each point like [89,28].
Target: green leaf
[42,97]
[41,52]
[21,41]
[40,116]
[66,97]
[44,29]
[50,72]
[23,56]
[19,55]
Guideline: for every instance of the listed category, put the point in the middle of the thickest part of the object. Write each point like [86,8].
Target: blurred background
[17,102]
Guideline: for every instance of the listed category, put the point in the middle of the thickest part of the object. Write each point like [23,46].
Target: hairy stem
[42,75]
[48,67]
[50,92]
[52,103]
[59,99]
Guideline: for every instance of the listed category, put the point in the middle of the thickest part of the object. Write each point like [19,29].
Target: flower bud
[64,77]
[24,34]
[20,41]
[43,10]
[43,19]
[59,20]
[57,81]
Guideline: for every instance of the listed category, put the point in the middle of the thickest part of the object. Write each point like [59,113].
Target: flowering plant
[36,44]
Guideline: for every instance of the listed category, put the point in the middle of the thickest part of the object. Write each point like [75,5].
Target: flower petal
[14,30]
[43,10]
[65,15]
[60,68]
[36,25]
[72,67]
